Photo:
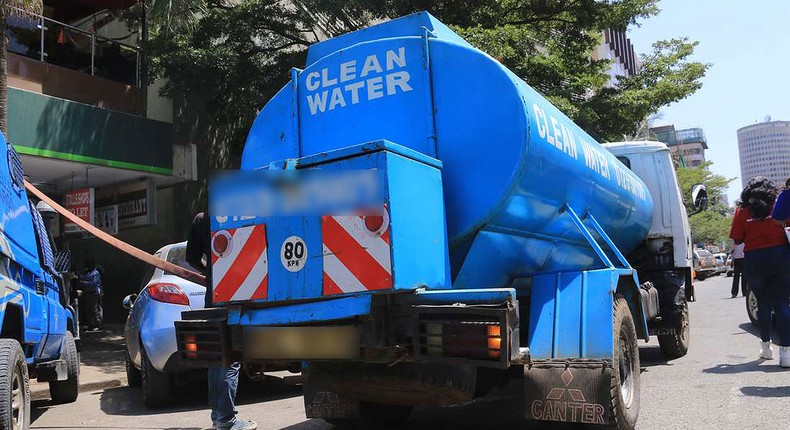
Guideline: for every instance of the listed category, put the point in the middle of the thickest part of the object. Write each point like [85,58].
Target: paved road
[719,385]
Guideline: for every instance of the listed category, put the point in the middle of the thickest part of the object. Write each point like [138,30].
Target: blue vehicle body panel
[299,313]
[411,189]
[27,279]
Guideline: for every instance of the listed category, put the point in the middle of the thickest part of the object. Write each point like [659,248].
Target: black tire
[156,385]
[625,368]
[68,390]
[676,345]
[133,375]
[751,306]
[14,387]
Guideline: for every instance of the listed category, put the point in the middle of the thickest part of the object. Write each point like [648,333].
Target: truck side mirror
[128,301]
[699,196]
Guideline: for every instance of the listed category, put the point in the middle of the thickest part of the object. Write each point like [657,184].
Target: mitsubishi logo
[558,393]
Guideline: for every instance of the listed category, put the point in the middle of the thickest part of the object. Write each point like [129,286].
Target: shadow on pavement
[759,365]
[766,391]
[129,401]
[652,356]
[749,328]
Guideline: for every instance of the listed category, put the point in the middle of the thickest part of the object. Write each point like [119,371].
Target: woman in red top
[766,263]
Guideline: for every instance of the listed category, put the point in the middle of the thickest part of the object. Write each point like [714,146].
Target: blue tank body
[511,160]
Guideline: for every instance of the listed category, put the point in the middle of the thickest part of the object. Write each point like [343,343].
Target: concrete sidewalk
[102,362]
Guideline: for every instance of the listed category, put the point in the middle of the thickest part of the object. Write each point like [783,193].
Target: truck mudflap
[569,392]
[325,404]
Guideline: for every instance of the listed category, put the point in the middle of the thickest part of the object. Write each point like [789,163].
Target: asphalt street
[720,384]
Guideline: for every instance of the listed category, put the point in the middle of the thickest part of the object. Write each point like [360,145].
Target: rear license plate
[301,343]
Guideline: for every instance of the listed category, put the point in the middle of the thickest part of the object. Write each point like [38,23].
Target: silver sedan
[151,358]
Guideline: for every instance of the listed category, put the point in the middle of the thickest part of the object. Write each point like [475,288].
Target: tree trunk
[3,71]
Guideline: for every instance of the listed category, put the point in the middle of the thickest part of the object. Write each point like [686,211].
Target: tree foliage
[235,56]
[713,224]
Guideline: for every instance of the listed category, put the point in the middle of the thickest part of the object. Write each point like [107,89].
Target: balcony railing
[44,39]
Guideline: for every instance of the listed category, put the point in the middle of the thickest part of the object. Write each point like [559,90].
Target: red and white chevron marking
[355,258]
[242,271]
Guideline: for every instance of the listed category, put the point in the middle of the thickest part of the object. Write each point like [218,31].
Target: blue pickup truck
[38,338]
[421,227]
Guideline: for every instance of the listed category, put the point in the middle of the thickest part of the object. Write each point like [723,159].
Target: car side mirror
[128,301]
[699,198]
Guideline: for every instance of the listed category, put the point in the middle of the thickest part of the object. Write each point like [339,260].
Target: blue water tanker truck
[443,232]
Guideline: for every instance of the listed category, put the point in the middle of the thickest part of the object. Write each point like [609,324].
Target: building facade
[91,130]
[687,146]
[764,150]
[616,47]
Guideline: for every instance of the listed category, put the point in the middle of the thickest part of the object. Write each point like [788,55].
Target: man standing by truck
[90,282]
[222,381]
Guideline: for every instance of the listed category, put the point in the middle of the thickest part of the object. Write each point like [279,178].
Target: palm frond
[21,7]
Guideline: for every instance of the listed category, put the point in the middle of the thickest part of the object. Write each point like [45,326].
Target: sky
[748,46]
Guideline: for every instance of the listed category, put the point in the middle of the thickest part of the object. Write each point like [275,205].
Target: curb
[43,392]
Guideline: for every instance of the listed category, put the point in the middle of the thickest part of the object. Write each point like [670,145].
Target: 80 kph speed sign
[293,254]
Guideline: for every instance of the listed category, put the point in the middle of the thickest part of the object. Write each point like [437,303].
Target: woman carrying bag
[766,263]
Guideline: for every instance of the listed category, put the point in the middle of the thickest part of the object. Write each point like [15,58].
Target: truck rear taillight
[475,340]
[190,346]
[374,223]
[168,293]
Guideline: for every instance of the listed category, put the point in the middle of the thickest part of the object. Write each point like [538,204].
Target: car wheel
[625,371]
[14,387]
[156,385]
[133,375]
[751,306]
[68,390]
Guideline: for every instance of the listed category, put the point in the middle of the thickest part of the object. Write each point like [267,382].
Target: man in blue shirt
[90,283]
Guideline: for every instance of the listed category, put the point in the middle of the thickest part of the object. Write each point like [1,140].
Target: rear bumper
[479,327]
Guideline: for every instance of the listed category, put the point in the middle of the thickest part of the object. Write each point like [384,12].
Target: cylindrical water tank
[511,160]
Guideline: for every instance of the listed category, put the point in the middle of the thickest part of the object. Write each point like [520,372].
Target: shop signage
[135,202]
[81,203]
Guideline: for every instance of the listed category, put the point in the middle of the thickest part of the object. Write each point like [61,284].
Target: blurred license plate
[299,343]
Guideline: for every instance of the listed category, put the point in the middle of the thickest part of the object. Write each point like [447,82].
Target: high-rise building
[687,146]
[616,47]
[764,150]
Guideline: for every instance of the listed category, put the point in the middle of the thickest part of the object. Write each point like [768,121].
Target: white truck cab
[652,162]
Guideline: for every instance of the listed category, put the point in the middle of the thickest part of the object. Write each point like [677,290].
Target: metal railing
[54,42]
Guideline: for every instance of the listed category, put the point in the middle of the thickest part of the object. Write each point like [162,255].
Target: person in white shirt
[737,274]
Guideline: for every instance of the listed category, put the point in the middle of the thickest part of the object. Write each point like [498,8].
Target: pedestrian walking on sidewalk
[223,382]
[766,263]
[737,271]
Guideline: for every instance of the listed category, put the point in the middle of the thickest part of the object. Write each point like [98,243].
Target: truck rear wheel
[625,372]
[68,390]
[676,344]
[156,385]
[14,387]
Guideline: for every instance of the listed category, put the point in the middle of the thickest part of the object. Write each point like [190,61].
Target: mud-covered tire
[751,306]
[14,387]
[676,345]
[68,390]
[133,375]
[156,386]
[625,369]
